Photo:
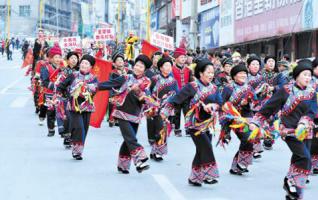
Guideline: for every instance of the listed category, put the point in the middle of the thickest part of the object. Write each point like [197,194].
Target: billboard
[309,14]
[204,5]
[185,9]
[226,22]
[256,19]
[209,28]
[176,8]
[183,38]
[154,21]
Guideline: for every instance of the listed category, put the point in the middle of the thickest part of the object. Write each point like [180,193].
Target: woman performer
[163,86]
[205,101]
[130,95]
[298,105]
[241,96]
[82,87]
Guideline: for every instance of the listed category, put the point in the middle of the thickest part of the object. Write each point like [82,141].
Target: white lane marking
[168,187]
[19,102]
[4,90]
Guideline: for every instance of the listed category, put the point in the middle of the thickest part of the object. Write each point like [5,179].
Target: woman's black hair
[201,65]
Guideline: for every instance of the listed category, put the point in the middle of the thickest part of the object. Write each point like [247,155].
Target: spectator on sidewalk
[25,48]
[2,46]
[17,43]
[9,50]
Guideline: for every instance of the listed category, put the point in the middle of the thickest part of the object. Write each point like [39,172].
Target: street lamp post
[119,11]
[41,13]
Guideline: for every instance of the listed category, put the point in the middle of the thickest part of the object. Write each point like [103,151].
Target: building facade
[23,17]
[270,27]
[55,17]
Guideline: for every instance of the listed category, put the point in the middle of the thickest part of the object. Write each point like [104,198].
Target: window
[24,11]
[4,11]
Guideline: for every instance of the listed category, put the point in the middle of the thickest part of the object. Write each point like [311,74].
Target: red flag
[53,76]
[99,54]
[101,70]
[28,60]
[148,49]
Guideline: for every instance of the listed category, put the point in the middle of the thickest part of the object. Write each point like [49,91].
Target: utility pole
[41,14]
[193,23]
[57,18]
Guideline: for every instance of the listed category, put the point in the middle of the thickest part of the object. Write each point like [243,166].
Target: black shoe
[151,141]
[307,181]
[290,189]
[210,181]
[78,157]
[188,134]
[110,124]
[239,173]
[156,157]
[242,169]
[67,143]
[142,165]
[178,133]
[257,155]
[51,133]
[288,197]
[315,171]
[194,183]
[268,144]
[37,110]
[122,170]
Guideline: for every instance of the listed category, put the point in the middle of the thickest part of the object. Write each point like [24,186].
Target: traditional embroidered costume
[298,108]
[198,122]
[82,87]
[236,93]
[128,112]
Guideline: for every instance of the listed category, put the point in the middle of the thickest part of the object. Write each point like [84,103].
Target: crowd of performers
[257,100]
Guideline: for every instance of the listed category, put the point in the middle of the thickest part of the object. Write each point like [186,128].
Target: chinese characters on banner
[162,41]
[70,42]
[104,34]
[247,8]
[256,19]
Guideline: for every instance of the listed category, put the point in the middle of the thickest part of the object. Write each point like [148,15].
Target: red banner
[148,49]
[101,70]
[28,60]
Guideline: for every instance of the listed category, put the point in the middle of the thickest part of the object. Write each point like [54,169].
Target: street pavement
[33,166]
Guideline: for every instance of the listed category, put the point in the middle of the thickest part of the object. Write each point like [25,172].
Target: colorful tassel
[301,133]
